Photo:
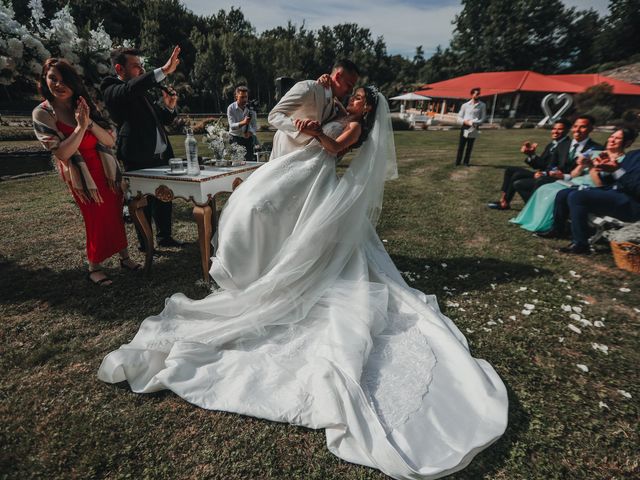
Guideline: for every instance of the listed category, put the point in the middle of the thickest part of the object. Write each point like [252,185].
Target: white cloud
[404,24]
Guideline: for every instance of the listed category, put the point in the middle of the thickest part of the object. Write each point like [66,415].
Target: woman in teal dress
[537,214]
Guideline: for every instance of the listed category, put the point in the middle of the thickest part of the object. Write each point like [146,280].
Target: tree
[619,35]
[502,34]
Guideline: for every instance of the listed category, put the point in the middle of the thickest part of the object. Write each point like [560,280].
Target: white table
[197,189]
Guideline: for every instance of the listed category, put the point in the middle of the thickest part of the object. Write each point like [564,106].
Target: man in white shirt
[243,122]
[471,115]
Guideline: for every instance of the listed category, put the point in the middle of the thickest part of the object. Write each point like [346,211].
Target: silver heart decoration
[555,99]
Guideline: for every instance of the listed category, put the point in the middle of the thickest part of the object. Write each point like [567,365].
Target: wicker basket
[626,256]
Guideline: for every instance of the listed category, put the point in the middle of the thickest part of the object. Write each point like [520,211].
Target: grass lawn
[59,421]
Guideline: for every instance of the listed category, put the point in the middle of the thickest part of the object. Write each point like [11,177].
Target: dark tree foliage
[223,50]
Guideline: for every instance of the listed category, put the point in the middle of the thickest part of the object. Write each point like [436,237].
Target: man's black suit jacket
[550,155]
[561,160]
[130,108]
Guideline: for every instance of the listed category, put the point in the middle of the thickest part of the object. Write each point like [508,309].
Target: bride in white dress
[313,324]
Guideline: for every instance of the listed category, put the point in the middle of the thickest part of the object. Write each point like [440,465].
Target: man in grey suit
[309,101]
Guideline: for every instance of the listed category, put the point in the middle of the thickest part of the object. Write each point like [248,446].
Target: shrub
[507,122]
[400,124]
[631,117]
[601,113]
[12,133]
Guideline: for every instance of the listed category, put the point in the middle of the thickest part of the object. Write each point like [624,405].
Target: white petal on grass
[598,324]
[577,309]
[493,286]
[582,367]
[573,274]
[526,312]
[585,323]
[624,394]
[469,330]
[561,339]
[384,240]
[529,306]
[521,289]
[491,322]
[624,290]
[444,265]
[637,310]
[562,280]
[603,405]
[575,316]
[600,347]
[512,317]
[565,308]
[540,256]
[573,328]
[452,304]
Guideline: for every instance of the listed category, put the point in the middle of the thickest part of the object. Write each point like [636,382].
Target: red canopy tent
[497,83]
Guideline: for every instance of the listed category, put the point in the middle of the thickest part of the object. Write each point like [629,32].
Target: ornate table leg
[203,216]
[136,206]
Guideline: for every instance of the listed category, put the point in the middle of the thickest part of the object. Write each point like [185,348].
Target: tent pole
[515,106]
[493,107]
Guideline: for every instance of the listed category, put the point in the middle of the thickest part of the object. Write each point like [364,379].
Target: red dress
[103,221]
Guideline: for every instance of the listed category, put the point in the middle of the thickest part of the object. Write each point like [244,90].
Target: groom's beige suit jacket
[306,99]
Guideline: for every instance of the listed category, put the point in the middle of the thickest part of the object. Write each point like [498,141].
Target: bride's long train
[315,326]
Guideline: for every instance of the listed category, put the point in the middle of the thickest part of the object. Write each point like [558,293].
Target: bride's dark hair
[368,119]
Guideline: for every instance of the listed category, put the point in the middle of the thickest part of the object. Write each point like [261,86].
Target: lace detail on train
[398,372]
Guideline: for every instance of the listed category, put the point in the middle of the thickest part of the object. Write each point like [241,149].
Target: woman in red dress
[69,125]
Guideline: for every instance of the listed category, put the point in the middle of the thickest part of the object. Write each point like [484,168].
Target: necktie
[572,153]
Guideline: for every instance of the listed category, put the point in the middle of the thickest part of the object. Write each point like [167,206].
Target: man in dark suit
[142,140]
[560,166]
[619,199]
[556,150]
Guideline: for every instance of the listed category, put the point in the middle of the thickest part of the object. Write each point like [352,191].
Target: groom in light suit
[309,101]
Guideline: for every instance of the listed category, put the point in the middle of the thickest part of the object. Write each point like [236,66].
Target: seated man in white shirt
[243,122]
[471,115]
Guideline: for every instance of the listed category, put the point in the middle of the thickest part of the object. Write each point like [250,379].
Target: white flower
[624,394]
[598,324]
[526,312]
[625,290]
[573,328]
[529,306]
[600,347]
[566,308]
[582,367]
[585,323]
[577,309]
[575,316]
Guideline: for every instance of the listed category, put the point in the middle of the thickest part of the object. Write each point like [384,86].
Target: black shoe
[575,249]
[497,206]
[170,242]
[548,234]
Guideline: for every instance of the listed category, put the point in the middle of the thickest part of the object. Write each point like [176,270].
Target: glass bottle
[191,151]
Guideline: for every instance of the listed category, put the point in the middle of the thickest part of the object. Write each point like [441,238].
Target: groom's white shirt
[306,99]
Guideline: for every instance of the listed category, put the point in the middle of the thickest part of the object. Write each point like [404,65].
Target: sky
[404,24]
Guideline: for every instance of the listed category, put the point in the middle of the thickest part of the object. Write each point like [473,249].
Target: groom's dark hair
[347,65]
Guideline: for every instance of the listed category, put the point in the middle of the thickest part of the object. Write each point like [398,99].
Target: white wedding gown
[314,325]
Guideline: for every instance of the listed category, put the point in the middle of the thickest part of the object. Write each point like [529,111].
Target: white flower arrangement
[218,139]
